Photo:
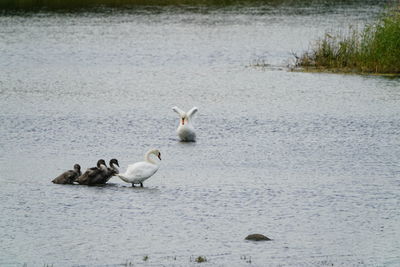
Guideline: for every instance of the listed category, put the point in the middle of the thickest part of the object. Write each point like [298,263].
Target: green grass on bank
[376,49]
[73,4]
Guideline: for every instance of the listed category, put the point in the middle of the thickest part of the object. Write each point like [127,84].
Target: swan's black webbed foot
[141,184]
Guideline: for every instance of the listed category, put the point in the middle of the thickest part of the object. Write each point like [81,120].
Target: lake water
[310,160]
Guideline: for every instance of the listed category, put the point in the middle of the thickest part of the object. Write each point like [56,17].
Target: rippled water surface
[310,160]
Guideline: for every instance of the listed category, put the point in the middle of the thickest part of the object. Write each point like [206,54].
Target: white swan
[138,172]
[185,129]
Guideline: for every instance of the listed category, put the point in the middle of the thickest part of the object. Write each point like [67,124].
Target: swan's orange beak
[183,121]
[159,156]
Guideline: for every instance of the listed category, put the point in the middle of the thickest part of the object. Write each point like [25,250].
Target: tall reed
[376,49]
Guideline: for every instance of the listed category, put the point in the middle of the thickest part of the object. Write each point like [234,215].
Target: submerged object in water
[257,237]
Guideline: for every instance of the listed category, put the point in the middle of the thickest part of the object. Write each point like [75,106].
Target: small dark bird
[68,177]
[93,173]
[103,178]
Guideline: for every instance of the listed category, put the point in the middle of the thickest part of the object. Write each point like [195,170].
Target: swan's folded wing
[141,170]
[192,112]
[179,111]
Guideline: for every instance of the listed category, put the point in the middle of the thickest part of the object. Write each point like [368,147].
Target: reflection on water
[310,160]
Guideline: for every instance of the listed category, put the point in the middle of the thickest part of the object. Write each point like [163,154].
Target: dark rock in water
[257,237]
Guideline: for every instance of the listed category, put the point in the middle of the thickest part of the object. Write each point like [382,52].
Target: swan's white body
[185,129]
[138,172]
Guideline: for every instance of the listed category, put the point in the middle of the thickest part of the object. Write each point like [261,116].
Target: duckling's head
[114,162]
[77,167]
[101,162]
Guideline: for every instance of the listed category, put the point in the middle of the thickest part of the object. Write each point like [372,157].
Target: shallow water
[310,160]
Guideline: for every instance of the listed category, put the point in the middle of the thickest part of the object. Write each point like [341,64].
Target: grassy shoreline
[342,71]
[375,50]
[76,4]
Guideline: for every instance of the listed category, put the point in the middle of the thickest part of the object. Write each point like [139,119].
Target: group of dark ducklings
[98,175]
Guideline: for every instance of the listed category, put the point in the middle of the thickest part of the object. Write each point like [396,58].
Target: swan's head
[184,119]
[77,167]
[156,152]
[114,162]
[182,115]
[100,162]
[152,152]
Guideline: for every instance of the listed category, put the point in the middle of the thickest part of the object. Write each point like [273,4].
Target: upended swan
[185,129]
[138,172]
[68,177]
[95,173]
